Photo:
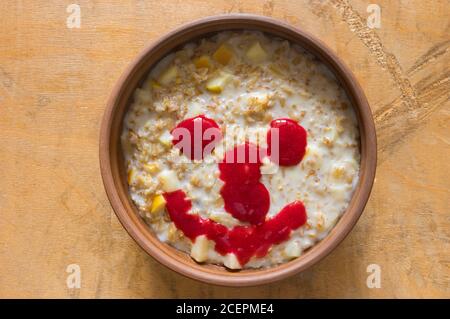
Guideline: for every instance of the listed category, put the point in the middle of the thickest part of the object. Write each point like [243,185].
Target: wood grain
[54,83]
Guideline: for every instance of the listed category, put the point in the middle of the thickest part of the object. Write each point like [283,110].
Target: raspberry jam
[244,241]
[248,202]
[245,197]
[241,165]
[292,142]
[196,137]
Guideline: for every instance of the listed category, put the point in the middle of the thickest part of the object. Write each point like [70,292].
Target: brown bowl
[113,169]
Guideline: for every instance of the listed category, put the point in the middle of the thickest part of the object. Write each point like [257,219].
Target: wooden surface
[54,83]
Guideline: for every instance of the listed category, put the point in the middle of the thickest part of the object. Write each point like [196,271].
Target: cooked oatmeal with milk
[258,94]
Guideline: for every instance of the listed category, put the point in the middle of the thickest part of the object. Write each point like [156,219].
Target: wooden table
[54,83]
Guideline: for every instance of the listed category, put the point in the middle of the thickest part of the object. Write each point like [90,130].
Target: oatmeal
[246,91]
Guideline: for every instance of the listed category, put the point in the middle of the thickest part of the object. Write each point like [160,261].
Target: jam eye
[196,137]
[286,142]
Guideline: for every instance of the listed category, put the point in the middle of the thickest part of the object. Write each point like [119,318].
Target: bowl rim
[169,256]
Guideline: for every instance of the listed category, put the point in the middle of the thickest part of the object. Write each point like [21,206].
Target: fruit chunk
[135,179]
[132,176]
[338,192]
[168,75]
[276,69]
[143,96]
[217,84]
[169,181]
[223,54]
[165,138]
[330,221]
[158,204]
[268,167]
[232,262]
[154,84]
[199,250]
[256,53]
[202,62]
[151,167]
[293,249]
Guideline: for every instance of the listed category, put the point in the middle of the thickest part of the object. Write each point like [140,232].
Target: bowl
[114,173]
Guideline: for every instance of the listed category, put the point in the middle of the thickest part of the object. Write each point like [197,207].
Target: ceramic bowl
[114,173]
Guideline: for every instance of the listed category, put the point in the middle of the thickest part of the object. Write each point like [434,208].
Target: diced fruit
[132,176]
[276,69]
[165,138]
[330,221]
[151,167]
[223,54]
[338,192]
[232,262]
[162,65]
[189,49]
[158,204]
[217,84]
[169,181]
[268,167]
[199,250]
[154,84]
[136,179]
[172,233]
[202,62]
[144,180]
[256,53]
[168,75]
[293,249]
[143,96]
[222,217]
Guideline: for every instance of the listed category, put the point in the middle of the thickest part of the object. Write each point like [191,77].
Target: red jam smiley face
[245,197]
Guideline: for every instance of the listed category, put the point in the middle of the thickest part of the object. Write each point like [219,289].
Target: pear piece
[223,54]
[256,53]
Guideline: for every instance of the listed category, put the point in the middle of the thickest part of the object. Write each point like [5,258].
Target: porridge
[241,149]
